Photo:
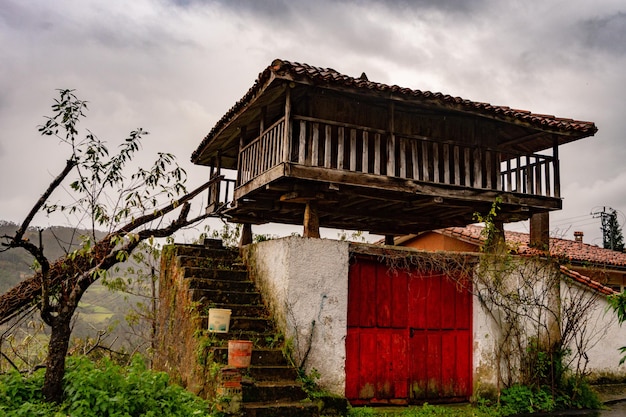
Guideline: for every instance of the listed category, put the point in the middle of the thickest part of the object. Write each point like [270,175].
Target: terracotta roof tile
[585,280]
[563,248]
[329,76]
[571,250]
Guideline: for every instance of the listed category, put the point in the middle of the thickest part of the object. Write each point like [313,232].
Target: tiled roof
[585,280]
[570,250]
[562,248]
[331,78]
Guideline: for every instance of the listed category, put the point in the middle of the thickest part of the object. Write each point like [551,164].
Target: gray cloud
[175,66]
[605,33]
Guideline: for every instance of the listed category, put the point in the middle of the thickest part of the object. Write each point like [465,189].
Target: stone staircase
[217,279]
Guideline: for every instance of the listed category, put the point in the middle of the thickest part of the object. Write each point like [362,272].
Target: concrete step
[260,340]
[242,310]
[281,409]
[217,279]
[272,373]
[260,356]
[252,324]
[222,285]
[219,274]
[223,262]
[205,252]
[273,391]
[209,297]
[256,324]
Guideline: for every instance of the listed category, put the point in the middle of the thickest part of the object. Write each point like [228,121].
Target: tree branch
[69,165]
[140,221]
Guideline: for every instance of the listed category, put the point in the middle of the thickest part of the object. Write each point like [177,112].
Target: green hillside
[15,264]
[100,308]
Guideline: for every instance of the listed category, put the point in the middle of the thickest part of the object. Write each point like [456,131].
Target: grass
[426,410]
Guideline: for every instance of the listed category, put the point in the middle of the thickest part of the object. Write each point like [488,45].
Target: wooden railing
[220,193]
[262,153]
[531,174]
[321,143]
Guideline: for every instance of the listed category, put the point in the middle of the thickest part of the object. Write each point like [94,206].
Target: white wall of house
[485,377]
[595,344]
[603,335]
[305,283]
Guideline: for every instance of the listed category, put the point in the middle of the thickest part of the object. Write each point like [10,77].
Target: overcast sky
[174,67]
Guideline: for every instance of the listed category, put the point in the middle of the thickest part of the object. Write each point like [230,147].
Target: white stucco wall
[484,362]
[604,336]
[305,282]
[599,339]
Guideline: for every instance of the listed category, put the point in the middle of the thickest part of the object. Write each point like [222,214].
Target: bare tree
[148,204]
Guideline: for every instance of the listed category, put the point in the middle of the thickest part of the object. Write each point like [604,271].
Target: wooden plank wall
[333,145]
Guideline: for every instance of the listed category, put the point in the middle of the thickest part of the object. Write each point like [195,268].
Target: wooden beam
[378,184]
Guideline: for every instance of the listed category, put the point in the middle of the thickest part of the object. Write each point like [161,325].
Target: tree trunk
[55,362]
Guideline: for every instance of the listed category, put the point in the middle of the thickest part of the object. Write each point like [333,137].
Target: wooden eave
[226,139]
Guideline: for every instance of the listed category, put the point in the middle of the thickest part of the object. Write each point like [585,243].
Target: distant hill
[15,264]
[99,309]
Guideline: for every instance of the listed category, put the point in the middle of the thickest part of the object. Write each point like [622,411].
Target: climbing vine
[542,321]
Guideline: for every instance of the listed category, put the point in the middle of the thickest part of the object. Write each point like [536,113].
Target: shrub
[519,399]
[101,389]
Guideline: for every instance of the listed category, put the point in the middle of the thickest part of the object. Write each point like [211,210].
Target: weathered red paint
[409,336]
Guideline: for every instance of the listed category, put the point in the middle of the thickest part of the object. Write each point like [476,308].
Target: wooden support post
[389,241]
[287,128]
[556,167]
[391,142]
[242,143]
[262,120]
[311,220]
[540,231]
[246,235]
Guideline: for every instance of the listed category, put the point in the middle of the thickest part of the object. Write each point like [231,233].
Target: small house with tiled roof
[604,267]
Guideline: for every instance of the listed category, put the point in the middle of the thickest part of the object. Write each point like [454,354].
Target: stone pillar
[540,230]
[496,242]
[311,220]
[246,235]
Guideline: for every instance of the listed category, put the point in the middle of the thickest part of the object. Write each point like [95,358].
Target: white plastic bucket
[219,320]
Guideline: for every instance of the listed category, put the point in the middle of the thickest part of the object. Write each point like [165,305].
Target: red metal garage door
[409,336]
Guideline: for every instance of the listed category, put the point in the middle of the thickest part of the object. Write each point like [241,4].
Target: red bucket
[239,353]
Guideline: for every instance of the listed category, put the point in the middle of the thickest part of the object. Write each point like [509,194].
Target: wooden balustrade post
[557,172]
[242,144]
[287,131]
